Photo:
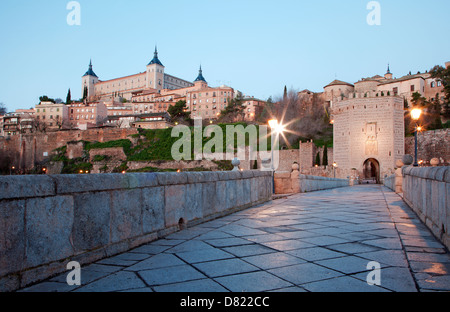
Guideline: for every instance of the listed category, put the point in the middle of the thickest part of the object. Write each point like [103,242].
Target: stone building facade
[369,135]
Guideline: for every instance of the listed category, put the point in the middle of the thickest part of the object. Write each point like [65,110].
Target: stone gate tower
[369,135]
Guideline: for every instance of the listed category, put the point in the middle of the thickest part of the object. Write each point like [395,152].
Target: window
[413,88]
[433,84]
[439,84]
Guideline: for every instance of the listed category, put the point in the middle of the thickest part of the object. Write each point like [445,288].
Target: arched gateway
[371,171]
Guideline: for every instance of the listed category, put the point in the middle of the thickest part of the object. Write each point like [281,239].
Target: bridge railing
[48,221]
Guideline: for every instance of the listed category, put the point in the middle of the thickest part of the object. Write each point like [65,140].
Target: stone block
[175,199]
[80,183]
[201,177]
[172,178]
[126,214]
[12,237]
[254,190]
[440,174]
[152,209]
[228,175]
[91,226]
[193,209]
[247,174]
[446,178]
[49,223]
[209,199]
[140,180]
[26,186]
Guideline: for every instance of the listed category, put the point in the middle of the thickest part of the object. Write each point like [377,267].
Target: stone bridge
[330,240]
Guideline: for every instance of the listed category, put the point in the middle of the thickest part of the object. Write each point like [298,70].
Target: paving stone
[204,255]
[394,279]
[430,267]
[347,265]
[225,267]
[428,257]
[385,243]
[353,248]
[389,257]
[170,275]
[115,282]
[440,282]
[249,250]
[49,287]
[315,254]
[324,240]
[286,245]
[273,260]
[264,238]
[228,242]
[157,261]
[199,286]
[304,273]
[342,284]
[252,282]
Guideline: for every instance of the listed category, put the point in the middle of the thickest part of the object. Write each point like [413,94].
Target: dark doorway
[371,171]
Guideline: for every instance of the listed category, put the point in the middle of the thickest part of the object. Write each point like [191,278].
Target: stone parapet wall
[427,192]
[293,182]
[48,221]
[313,183]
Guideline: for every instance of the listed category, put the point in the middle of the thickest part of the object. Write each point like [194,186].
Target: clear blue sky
[255,46]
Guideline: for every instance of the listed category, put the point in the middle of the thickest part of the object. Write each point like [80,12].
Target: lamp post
[415,115]
[334,169]
[273,124]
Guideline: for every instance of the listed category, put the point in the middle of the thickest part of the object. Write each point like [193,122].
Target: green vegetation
[126,144]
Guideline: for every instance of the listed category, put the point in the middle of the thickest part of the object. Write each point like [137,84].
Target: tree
[178,112]
[317,163]
[234,111]
[69,98]
[85,93]
[442,75]
[3,109]
[325,156]
[45,98]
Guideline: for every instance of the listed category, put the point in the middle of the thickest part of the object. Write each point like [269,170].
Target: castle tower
[388,75]
[155,73]
[88,81]
[200,82]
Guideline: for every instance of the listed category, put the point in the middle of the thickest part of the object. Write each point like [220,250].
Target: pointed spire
[200,75]
[90,71]
[388,70]
[155,58]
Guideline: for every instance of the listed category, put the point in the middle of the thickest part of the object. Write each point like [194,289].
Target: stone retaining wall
[427,192]
[48,221]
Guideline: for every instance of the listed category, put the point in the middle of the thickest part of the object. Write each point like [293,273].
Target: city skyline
[254,47]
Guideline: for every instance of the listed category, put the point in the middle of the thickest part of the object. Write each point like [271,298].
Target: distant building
[386,85]
[154,91]
[54,116]
[153,78]
[20,122]
[153,121]
[87,115]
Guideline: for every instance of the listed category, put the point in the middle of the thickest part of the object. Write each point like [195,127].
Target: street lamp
[334,169]
[415,115]
[277,129]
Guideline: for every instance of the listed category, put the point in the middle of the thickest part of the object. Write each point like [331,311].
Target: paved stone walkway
[315,242]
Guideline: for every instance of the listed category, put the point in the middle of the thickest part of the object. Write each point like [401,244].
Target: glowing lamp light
[416,113]
[275,126]
[334,165]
